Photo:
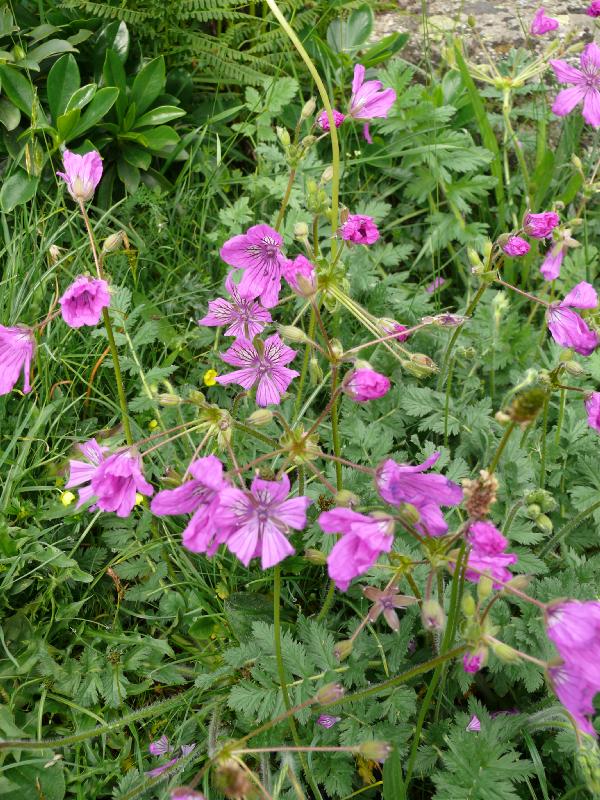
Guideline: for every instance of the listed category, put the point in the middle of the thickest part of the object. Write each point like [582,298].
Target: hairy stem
[503,442]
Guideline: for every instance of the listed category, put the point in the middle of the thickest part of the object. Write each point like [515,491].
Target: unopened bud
[471,21]
[343,649]
[505,652]
[326,176]
[544,523]
[284,136]
[533,511]
[576,161]
[315,557]
[588,758]
[346,498]
[374,751]
[420,365]
[484,587]
[307,286]
[468,605]
[329,694]
[337,349]
[260,417]
[519,582]
[473,257]
[300,230]
[432,615]
[54,253]
[114,242]
[197,398]
[315,371]
[410,513]
[308,109]
[292,334]
[574,369]
[168,399]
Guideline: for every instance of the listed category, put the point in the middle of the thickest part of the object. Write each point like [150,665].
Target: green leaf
[81,97]
[114,75]
[393,782]
[10,116]
[63,81]
[17,88]
[51,48]
[129,174]
[103,101]
[347,35]
[136,156]
[148,84]
[16,190]
[51,782]
[66,123]
[384,49]
[159,138]
[158,116]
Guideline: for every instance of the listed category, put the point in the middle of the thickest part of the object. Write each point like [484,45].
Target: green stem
[118,377]
[335,147]
[286,199]
[561,415]
[543,442]
[503,442]
[302,380]
[456,333]
[447,400]
[571,525]
[327,603]
[335,429]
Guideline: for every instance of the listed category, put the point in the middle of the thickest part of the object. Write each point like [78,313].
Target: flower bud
[326,176]
[519,582]
[544,523]
[484,587]
[505,652]
[468,605]
[308,109]
[588,758]
[197,398]
[410,513]
[292,334]
[54,253]
[420,365]
[343,649]
[576,161]
[114,242]
[329,694]
[574,369]
[432,615]
[300,230]
[315,557]
[315,371]
[374,751]
[337,349]
[168,399]
[473,257]
[260,417]
[67,498]
[284,136]
[346,499]
[533,511]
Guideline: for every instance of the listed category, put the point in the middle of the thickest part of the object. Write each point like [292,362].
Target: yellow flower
[153,424]
[67,498]
[210,377]
[139,499]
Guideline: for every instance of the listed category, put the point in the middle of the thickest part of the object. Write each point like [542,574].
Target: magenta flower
[593,10]
[160,746]
[362,385]
[82,174]
[363,540]
[259,521]
[367,134]
[403,483]
[264,367]
[84,300]
[327,721]
[592,406]
[474,724]
[116,481]
[258,253]
[386,602]
[303,270]
[200,497]
[437,283]
[585,85]
[391,326]
[473,662]
[245,316]
[185,793]
[539,226]
[487,554]
[516,246]
[369,99]
[552,263]
[574,627]
[567,328]
[323,119]
[17,346]
[576,694]
[486,539]
[359,229]
[541,24]
[82,472]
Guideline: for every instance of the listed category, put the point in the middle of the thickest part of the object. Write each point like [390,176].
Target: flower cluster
[487,554]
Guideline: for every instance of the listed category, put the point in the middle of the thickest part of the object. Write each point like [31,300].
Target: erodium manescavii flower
[552,263]
[474,724]
[364,538]
[574,628]
[593,10]
[262,364]
[160,747]
[576,694]
[258,253]
[487,553]
[369,99]
[82,174]
[83,301]
[516,246]
[323,119]
[359,229]
[541,23]
[327,721]
[540,226]
[301,275]
[584,85]
[245,317]
[260,520]
[116,481]
[386,601]
[82,472]
[592,407]
[363,384]
[436,283]
[200,497]
[404,483]
[567,328]
[17,346]
[475,660]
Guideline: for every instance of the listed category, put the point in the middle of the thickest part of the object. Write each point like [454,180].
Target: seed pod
[260,417]
[343,649]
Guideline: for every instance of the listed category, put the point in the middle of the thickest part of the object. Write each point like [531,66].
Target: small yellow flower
[153,424]
[139,499]
[67,498]
[210,377]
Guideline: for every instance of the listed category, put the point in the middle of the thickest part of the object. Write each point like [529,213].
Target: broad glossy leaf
[136,156]
[158,116]
[148,84]
[114,75]
[51,48]
[347,35]
[10,115]
[159,138]
[384,49]
[17,88]
[63,81]
[129,174]
[67,123]
[81,97]
[16,190]
[102,102]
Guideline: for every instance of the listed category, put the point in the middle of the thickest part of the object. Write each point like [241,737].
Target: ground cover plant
[298,477]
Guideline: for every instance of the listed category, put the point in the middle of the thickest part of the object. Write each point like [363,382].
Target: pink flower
[301,269]
[363,540]
[362,385]
[200,497]
[369,99]
[574,627]
[386,602]
[474,724]
[488,554]
[160,746]
[542,24]
[585,85]
[82,472]
[593,10]
[592,406]
[359,229]
[327,721]
[17,346]
[185,793]
[84,300]
[391,326]
[245,316]
[265,367]
[116,481]
[259,521]
[486,539]
[567,328]
[258,253]
[367,133]
[552,263]
[516,246]
[154,773]
[576,694]
[323,119]
[539,226]
[435,284]
[403,483]
[82,174]
[473,662]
